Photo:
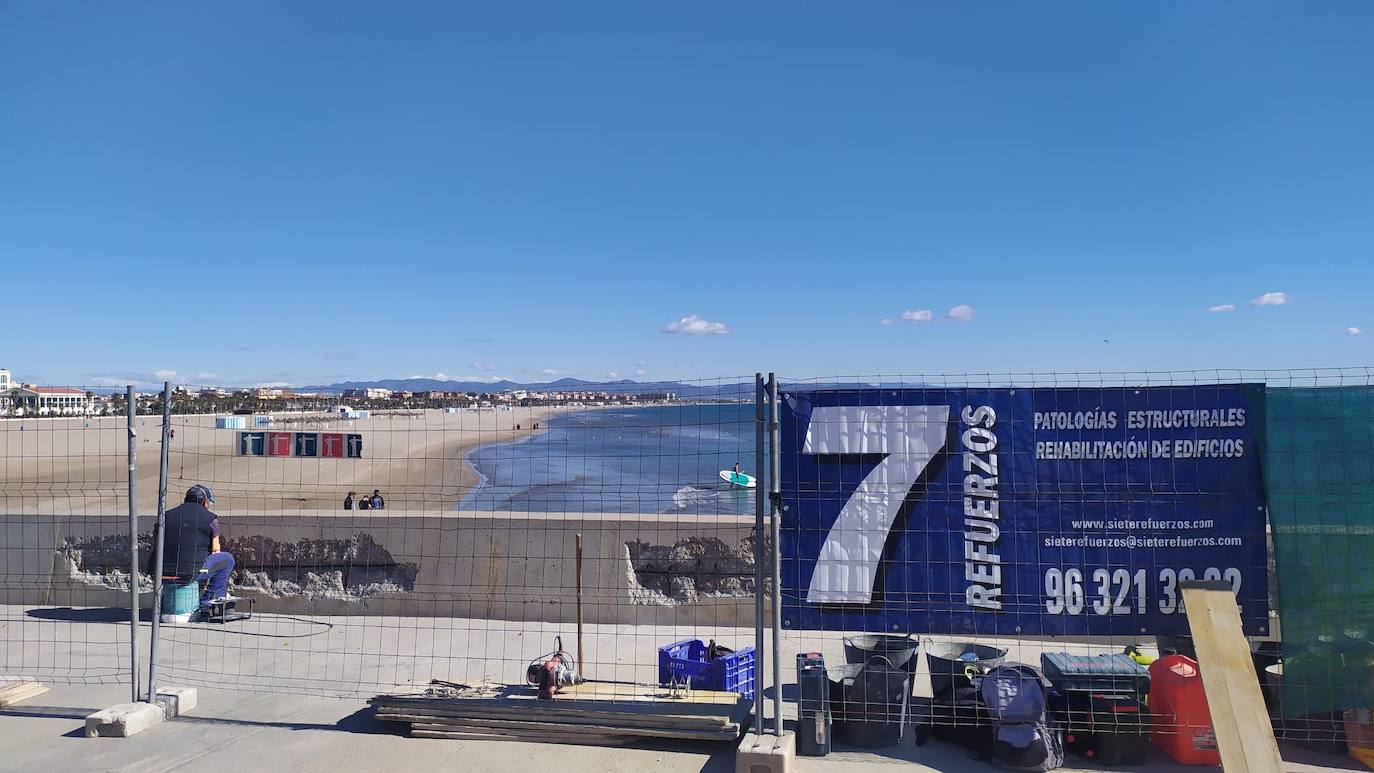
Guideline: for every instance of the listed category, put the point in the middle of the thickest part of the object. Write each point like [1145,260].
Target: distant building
[6,400]
[47,401]
[368,393]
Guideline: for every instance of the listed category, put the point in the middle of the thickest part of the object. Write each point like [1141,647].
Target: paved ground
[262,732]
[282,717]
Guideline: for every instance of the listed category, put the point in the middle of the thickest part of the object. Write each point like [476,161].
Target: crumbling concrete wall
[348,569]
[690,568]
[684,570]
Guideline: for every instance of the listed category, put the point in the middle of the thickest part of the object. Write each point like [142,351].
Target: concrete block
[175,701]
[123,720]
[766,754]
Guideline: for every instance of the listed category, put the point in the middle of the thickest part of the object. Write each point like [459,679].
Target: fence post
[758,557]
[159,537]
[132,400]
[775,514]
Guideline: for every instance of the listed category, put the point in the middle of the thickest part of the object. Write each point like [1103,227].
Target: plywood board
[619,691]
[1245,737]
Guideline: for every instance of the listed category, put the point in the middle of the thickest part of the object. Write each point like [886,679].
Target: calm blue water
[658,459]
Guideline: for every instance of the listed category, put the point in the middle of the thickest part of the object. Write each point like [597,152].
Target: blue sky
[307,192]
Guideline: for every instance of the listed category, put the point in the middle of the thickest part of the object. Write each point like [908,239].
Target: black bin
[949,663]
[899,649]
[870,703]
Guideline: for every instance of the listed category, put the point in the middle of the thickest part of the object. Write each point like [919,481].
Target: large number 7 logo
[910,436]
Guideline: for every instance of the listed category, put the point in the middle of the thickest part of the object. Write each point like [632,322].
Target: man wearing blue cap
[192,545]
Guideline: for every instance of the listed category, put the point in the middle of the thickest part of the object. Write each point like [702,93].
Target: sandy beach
[76,466]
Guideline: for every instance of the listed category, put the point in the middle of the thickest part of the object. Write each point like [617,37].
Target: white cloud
[479,365]
[641,372]
[961,313]
[1353,331]
[1270,299]
[548,372]
[694,325]
[441,377]
[887,321]
[274,384]
[1221,307]
[922,315]
[612,374]
[415,375]
[165,373]
[641,368]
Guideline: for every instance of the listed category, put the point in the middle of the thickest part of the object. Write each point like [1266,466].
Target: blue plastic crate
[687,659]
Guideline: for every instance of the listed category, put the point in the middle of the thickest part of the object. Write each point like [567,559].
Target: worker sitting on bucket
[191,547]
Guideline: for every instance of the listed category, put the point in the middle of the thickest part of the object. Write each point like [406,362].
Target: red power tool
[552,671]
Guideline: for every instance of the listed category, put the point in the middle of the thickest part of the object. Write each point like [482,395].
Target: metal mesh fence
[64,489]
[936,527]
[490,511]
[932,527]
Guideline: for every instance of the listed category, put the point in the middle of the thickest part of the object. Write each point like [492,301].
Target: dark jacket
[190,529]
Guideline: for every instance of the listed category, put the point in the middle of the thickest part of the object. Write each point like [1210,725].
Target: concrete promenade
[283,670]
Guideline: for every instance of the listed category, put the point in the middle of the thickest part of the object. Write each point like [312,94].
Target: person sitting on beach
[190,546]
[348,500]
[365,503]
[377,502]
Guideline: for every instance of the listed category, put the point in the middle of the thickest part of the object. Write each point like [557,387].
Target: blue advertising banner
[1020,511]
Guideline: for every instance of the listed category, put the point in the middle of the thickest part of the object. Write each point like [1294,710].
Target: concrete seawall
[651,569]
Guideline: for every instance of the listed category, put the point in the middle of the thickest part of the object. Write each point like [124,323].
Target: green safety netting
[1319,473]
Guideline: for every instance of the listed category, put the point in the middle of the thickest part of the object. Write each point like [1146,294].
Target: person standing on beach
[365,503]
[348,501]
[377,502]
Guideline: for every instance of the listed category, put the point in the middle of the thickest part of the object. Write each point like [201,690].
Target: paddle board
[738,479]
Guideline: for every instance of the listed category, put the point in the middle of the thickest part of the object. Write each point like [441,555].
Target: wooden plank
[432,723]
[15,692]
[1245,736]
[470,736]
[555,708]
[637,693]
[607,692]
[676,723]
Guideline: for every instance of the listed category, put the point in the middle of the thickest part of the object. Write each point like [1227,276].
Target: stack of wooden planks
[14,692]
[593,713]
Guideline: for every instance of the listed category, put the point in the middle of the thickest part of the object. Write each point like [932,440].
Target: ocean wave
[689,495]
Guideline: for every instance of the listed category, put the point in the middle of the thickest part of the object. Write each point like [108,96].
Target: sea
[649,459]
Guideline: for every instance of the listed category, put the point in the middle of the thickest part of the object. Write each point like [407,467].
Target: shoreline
[474,477]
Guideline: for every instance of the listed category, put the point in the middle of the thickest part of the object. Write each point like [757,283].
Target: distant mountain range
[723,389]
